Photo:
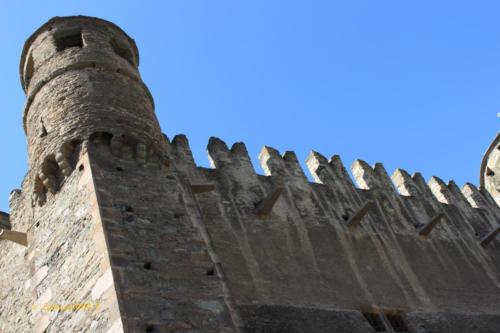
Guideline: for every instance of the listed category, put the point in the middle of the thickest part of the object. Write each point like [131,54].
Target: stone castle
[115,229]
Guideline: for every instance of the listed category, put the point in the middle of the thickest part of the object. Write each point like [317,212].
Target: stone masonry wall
[114,250]
[15,268]
[62,282]
[178,247]
[312,252]
[165,279]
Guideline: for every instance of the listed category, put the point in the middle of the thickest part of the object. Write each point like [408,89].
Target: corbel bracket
[356,219]
[202,188]
[490,236]
[265,207]
[14,236]
[426,229]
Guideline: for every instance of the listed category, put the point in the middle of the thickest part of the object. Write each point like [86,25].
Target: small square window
[67,40]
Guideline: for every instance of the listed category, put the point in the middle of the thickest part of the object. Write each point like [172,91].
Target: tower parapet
[490,170]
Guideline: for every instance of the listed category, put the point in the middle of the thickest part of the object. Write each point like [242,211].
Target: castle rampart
[125,233]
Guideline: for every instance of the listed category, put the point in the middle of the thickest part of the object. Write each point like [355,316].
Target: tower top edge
[62,19]
[484,162]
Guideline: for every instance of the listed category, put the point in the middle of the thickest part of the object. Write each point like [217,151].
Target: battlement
[373,202]
[345,246]
[370,241]
[408,203]
[41,51]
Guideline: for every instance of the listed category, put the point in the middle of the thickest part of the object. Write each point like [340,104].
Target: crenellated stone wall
[426,251]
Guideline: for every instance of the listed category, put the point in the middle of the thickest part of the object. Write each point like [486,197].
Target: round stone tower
[107,224]
[490,170]
[81,78]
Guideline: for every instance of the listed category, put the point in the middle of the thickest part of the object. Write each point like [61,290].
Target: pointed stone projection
[371,178]
[490,236]
[356,219]
[265,207]
[14,236]
[202,188]
[426,229]
[474,196]
[404,183]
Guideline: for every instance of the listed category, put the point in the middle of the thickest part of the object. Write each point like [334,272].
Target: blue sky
[412,84]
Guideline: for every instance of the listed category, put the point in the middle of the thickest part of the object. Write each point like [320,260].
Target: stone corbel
[14,236]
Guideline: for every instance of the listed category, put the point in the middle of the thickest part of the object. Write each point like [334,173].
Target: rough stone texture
[452,323]
[157,255]
[119,216]
[287,319]
[305,256]
[490,170]
[61,265]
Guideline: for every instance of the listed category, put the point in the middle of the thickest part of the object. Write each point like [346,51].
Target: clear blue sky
[412,84]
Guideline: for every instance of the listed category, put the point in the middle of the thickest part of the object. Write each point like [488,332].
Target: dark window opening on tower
[122,51]
[43,130]
[67,40]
